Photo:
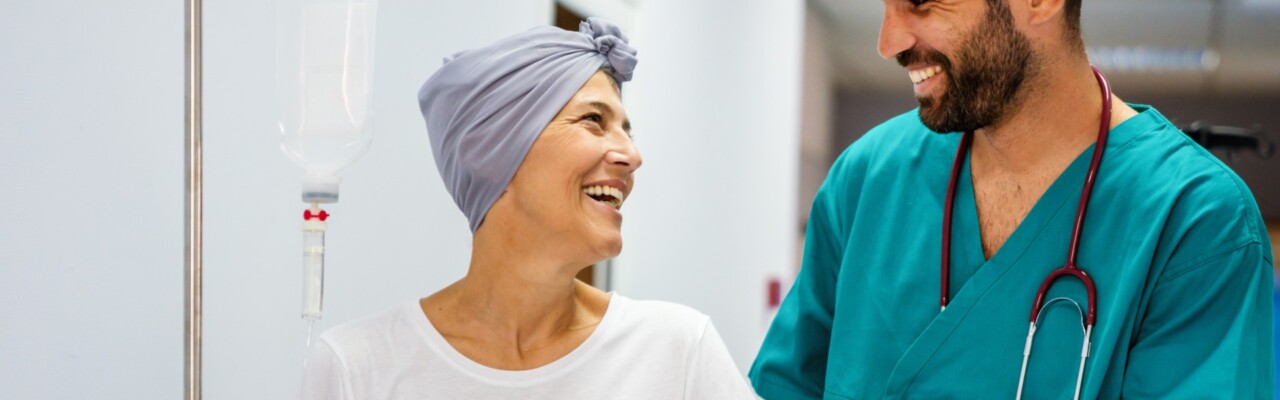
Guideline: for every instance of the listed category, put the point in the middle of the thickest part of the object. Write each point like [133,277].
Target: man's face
[971,85]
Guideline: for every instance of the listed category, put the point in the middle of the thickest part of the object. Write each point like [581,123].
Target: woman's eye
[919,3]
[593,117]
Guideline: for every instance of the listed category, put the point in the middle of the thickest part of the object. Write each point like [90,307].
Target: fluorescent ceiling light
[1136,59]
[1262,3]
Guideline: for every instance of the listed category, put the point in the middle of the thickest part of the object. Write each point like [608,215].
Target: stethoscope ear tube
[1026,357]
[1031,335]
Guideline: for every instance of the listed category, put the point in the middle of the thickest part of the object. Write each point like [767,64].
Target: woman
[533,142]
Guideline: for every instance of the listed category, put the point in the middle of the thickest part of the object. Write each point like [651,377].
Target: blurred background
[739,108]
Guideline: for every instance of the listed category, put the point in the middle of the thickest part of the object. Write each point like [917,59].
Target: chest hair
[1003,201]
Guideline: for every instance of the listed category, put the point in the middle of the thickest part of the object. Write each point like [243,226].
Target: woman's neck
[515,307]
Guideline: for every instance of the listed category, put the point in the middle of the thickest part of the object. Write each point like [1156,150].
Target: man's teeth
[920,75]
[615,196]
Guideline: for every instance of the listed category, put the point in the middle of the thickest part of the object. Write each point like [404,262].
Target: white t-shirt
[640,350]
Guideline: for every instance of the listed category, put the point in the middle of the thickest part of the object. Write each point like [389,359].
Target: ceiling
[1246,32]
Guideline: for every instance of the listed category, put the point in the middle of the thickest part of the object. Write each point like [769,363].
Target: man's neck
[1055,118]
[1014,161]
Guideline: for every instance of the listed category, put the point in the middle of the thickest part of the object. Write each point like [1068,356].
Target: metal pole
[193,257]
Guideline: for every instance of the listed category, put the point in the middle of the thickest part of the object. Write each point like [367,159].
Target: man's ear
[1044,11]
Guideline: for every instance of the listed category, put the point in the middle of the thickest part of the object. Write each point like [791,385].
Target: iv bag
[324,71]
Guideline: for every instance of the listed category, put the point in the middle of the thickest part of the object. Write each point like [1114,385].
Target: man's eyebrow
[605,108]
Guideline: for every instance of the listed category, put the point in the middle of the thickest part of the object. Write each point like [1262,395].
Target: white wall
[715,108]
[91,191]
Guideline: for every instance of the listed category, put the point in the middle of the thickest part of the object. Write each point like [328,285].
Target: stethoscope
[1070,269]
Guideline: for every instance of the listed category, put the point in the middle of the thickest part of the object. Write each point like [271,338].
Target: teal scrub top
[1173,240]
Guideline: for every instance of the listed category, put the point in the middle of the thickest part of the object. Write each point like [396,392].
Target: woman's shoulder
[374,334]
[660,320]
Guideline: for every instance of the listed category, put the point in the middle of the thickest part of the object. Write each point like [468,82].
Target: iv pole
[193,257]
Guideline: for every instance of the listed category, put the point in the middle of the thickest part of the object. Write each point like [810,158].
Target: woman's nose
[624,154]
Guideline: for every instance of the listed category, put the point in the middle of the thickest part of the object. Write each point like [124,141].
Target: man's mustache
[912,56]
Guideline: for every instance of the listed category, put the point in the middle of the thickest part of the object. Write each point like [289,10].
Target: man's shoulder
[1159,160]
[900,133]
[900,145]
[1203,205]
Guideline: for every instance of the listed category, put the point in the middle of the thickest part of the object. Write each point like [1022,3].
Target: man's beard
[994,59]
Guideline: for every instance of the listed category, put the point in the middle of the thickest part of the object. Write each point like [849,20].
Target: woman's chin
[608,246]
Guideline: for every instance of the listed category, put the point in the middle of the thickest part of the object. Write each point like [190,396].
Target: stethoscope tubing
[1070,268]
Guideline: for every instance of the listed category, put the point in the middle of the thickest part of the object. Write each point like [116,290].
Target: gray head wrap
[485,107]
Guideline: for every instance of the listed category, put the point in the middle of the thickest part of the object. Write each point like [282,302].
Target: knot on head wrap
[485,107]
[612,43]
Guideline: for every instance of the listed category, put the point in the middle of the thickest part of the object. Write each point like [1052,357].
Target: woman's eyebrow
[601,106]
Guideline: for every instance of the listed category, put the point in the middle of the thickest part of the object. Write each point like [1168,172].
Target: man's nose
[894,35]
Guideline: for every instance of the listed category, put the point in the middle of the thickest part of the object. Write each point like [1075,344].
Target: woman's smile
[609,191]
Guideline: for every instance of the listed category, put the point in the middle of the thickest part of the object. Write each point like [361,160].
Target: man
[1173,239]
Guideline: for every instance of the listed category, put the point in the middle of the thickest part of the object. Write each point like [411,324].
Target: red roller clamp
[307,215]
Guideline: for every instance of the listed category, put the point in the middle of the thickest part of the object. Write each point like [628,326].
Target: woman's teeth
[920,75]
[606,194]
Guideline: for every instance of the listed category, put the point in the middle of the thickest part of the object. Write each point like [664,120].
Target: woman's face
[572,184]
